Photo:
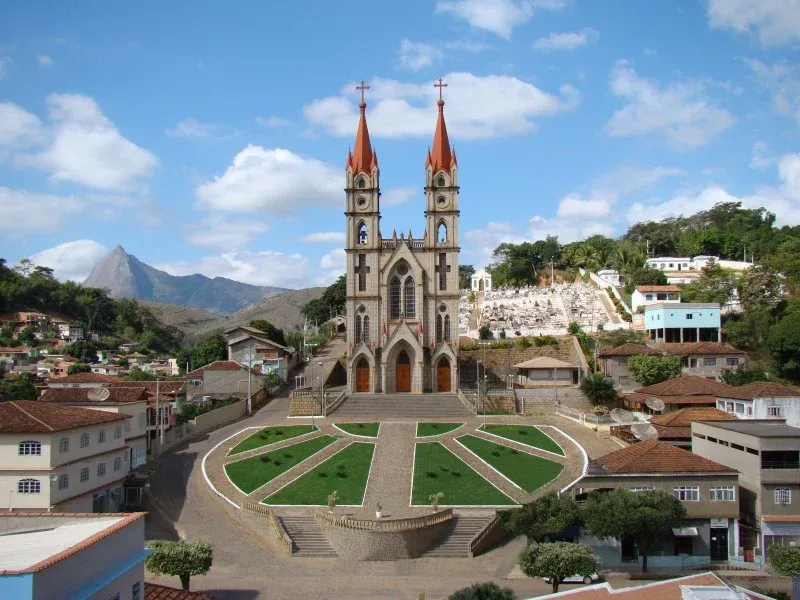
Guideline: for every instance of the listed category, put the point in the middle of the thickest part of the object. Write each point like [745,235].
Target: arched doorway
[402,373]
[362,375]
[480,284]
[443,375]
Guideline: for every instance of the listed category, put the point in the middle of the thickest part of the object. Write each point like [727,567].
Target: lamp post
[485,393]
[249,376]
[478,380]
[313,407]
[321,388]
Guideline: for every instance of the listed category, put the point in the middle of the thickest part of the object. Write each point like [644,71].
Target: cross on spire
[362,87]
[439,85]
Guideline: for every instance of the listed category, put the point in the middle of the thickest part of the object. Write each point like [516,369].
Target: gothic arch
[362,233]
[441,232]
[395,298]
[409,298]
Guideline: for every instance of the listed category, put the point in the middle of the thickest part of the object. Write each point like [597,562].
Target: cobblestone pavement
[390,479]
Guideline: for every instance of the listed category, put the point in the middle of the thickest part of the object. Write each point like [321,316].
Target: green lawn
[365,429]
[346,472]
[429,429]
[527,471]
[436,469]
[526,434]
[251,473]
[270,435]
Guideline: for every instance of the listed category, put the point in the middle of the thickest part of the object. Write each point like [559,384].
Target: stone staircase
[307,537]
[455,539]
[401,406]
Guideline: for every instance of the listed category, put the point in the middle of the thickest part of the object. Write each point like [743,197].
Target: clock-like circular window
[402,269]
[442,308]
[441,202]
[361,203]
[362,309]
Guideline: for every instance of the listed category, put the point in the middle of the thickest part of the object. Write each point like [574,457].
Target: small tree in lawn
[598,389]
[647,518]
[333,498]
[483,591]
[436,500]
[784,560]
[543,518]
[180,559]
[556,561]
[653,369]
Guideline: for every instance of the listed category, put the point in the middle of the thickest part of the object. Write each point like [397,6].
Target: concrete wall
[668,316]
[222,384]
[217,417]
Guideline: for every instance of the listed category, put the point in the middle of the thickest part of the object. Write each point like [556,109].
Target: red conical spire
[440,157]
[362,158]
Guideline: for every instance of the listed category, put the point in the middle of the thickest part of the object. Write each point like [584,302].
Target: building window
[30,448]
[409,298]
[359,329]
[101,436]
[731,362]
[709,362]
[440,182]
[738,408]
[439,328]
[29,486]
[84,440]
[687,493]
[117,432]
[63,481]
[394,298]
[118,463]
[84,474]
[447,328]
[773,411]
[136,588]
[101,469]
[642,488]
[362,234]
[142,420]
[722,493]
[648,297]
[63,445]
[690,316]
[783,496]
[366,330]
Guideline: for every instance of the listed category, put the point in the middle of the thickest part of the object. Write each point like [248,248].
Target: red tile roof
[440,157]
[627,349]
[170,387]
[117,395]
[702,349]
[362,159]
[781,518]
[657,288]
[687,385]
[153,591]
[763,389]
[33,416]
[686,416]
[657,457]
[701,399]
[86,378]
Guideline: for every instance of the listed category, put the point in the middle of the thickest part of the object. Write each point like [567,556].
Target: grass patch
[270,435]
[346,471]
[251,473]
[525,434]
[527,471]
[365,429]
[429,429]
[436,469]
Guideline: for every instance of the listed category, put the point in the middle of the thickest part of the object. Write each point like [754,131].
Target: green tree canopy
[556,561]
[273,333]
[652,369]
[543,518]
[137,374]
[179,559]
[645,517]
[483,591]
[84,351]
[20,388]
[783,345]
[598,389]
[784,559]
[715,284]
[465,273]
[78,367]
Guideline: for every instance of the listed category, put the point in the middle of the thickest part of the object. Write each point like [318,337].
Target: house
[645,295]
[162,397]
[222,379]
[481,281]
[250,344]
[683,322]
[763,400]
[614,363]
[767,454]
[131,401]
[610,277]
[681,392]
[69,555]
[676,427]
[61,458]
[70,332]
[83,380]
[707,489]
[545,371]
[106,369]
[707,359]
[679,266]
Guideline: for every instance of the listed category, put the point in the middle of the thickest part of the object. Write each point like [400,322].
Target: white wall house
[69,332]
[645,295]
[763,400]
[481,281]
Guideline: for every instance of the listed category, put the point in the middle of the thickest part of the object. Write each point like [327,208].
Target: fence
[406,524]
[584,417]
[214,418]
[274,521]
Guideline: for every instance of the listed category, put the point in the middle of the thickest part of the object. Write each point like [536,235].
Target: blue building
[684,322]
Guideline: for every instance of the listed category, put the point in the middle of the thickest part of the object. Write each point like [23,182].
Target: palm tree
[599,390]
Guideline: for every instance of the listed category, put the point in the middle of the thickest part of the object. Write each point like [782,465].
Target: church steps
[402,406]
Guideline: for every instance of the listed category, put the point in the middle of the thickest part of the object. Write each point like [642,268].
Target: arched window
[30,448]
[362,234]
[439,328]
[84,474]
[440,181]
[409,298]
[394,298]
[358,329]
[447,328]
[29,486]
[441,232]
[365,333]
[361,183]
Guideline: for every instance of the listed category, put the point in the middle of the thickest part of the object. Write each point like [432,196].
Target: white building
[481,281]
[79,380]
[610,277]
[69,332]
[763,400]
[645,295]
[61,458]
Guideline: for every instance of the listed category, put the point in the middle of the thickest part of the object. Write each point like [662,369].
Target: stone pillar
[383,377]
[681,335]
[698,334]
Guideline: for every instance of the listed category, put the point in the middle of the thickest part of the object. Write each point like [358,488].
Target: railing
[411,243]
[386,525]
[468,398]
[275,522]
[492,533]
[332,405]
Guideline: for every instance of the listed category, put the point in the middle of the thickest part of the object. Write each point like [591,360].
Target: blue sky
[211,137]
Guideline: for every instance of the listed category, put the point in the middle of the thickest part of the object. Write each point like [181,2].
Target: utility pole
[249,376]
[159,418]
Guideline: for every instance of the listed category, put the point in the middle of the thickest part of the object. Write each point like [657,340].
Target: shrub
[181,559]
[485,333]
[784,559]
[544,340]
[483,591]
[523,343]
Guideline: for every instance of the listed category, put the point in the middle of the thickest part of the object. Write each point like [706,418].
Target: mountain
[125,276]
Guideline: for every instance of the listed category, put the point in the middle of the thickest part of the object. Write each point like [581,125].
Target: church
[402,291]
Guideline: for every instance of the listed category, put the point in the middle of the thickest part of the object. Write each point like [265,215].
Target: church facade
[403,290]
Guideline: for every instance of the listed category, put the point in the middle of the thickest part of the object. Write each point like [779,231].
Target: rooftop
[544,362]
[682,305]
[701,348]
[86,378]
[153,591]
[654,457]
[117,395]
[628,349]
[687,385]
[258,334]
[222,365]
[33,416]
[781,518]
[685,416]
[658,288]
[759,428]
[763,389]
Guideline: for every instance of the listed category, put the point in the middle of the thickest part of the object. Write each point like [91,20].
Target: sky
[211,137]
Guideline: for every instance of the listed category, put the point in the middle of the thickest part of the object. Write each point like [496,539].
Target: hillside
[188,320]
[125,276]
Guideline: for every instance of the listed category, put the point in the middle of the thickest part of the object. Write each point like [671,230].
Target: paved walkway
[390,479]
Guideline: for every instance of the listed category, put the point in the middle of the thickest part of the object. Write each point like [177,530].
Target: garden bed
[431,429]
[362,429]
[525,434]
[271,435]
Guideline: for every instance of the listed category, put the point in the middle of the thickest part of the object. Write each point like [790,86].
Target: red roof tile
[117,395]
[628,349]
[687,385]
[702,348]
[362,159]
[657,288]
[170,387]
[686,416]
[33,416]
[700,399]
[86,378]
[657,457]
[153,591]
[763,389]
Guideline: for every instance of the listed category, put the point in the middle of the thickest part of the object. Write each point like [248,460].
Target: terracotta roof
[33,416]
[687,385]
[153,591]
[169,387]
[658,288]
[686,416]
[440,157]
[763,389]
[700,399]
[16,350]
[86,378]
[657,457]
[628,349]
[701,348]
[117,395]
[260,335]
[781,518]
[544,362]
[222,365]
[362,158]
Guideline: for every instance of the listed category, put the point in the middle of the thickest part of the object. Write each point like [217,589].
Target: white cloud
[334,260]
[398,196]
[87,149]
[44,61]
[496,16]
[782,81]
[760,157]
[25,211]
[272,122]
[216,232]
[257,268]
[482,242]
[567,230]
[324,237]
[773,22]
[71,261]
[650,52]
[680,112]
[477,107]
[18,127]
[566,41]
[576,206]
[272,180]
[417,55]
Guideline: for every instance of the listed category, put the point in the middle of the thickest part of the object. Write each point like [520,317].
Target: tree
[483,591]
[543,518]
[598,389]
[485,333]
[271,380]
[715,284]
[78,367]
[82,350]
[209,349]
[465,273]
[784,559]
[26,337]
[556,561]
[179,559]
[320,310]
[783,345]
[744,374]
[760,292]
[646,517]
[20,388]
[137,374]
[273,333]
[652,369]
